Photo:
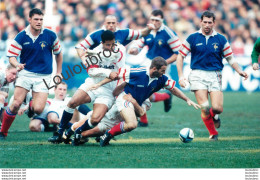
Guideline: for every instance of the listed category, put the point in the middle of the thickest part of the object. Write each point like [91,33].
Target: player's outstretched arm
[59,60]
[119,89]
[147,30]
[236,67]
[175,91]
[101,83]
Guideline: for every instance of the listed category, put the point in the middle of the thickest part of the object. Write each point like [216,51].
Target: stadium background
[238,20]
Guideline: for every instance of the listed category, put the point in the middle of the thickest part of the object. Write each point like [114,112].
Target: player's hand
[150,26]
[93,87]
[129,98]
[133,51]
[255,66]
[20,67]
[243,74]
[58,78]
[191,103]
[113,75]
[182,82]
[21,111]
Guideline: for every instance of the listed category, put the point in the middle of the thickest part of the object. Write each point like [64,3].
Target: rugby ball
[186,135]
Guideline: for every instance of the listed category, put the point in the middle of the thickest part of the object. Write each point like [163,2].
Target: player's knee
[131,126]
[53,120]
[35,127]
[217,109]
[16,105]
[2,99]
[72,104]
[38,110]
[95,119]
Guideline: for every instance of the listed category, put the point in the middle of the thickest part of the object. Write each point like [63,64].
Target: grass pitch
[156,146]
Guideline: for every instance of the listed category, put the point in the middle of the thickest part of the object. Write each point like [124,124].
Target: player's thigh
[80,97]
[19,96]
[217,100]
[99,111]
[201,95]
[39,101]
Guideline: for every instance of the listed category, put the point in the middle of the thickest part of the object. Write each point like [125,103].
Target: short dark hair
[107,35]
[158,62]
[35,11]
[157,12]
[208,14]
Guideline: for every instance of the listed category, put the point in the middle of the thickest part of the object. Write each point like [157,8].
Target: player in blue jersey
[35,47]
[164,42]
[207,48]
[141,83]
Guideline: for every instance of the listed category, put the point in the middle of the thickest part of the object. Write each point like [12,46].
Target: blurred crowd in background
[238,20]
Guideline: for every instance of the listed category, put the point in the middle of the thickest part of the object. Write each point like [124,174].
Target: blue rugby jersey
[164,43]
[207,52]
[123,37]
[140,85]
[35,53]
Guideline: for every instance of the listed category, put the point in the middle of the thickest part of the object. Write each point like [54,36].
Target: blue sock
[84,109]
[82,128]
[66,117]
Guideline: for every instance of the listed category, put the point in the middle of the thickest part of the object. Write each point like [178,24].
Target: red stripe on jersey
[182,53]
[176,46]
[56,44]
[137,36]
[57,49]
[186,47]
[121,56]
[16,47]
[226,48]
[173,41]
[83,46]
[124,75]
[168,82]
[87,42]
[13,52]
[92,66]
[173,84]
[139,46]
[132,35]
[228,54]
[142,41]
[49,102]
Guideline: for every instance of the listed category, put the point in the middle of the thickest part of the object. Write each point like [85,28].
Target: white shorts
[111,119]
[121,103]
[209,80]
[29,80]
[102,95]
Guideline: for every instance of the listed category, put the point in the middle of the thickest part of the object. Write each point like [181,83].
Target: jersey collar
[160,29]
[213,33]
[28,32]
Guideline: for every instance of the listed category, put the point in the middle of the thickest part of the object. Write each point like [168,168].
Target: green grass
[156,146]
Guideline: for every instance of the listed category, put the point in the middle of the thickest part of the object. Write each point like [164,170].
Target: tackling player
[207,48]
[255,54]
[35,47]
[140,83]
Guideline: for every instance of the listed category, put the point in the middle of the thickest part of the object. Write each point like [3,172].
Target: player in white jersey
[105,61]
[111,118]
[6,76]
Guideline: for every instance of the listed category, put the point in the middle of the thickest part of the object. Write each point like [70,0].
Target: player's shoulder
[97,32]
[49,31]
[169,31]
[20,36]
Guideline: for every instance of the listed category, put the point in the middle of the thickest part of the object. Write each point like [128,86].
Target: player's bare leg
[38,101]
[35,125]
[217,106]
[129,124]
[99,111]
[202,99]
[10,113]
[80,97]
